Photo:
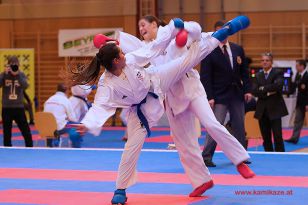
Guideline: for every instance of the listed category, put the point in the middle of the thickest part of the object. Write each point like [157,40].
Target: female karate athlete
[185,100]
[126,84]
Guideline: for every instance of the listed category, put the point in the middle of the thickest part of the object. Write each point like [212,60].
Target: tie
[226,54]
[266,75]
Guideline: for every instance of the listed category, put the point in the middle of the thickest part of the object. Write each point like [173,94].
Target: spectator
[301,84]
[60,106]
[14,82]
[270,106]
[224,75]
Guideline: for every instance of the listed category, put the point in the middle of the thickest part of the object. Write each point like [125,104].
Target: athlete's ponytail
[81,75]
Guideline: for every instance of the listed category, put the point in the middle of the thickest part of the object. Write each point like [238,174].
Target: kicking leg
[230,146]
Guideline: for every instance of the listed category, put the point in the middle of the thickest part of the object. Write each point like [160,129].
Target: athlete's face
[147,30]
[121,60]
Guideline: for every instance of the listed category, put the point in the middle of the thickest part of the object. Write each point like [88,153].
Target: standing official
[270,105]
[301,84]
[224,75]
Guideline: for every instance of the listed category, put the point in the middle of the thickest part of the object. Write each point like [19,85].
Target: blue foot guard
[119,197]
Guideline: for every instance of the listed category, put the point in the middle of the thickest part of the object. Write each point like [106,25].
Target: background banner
[79,42]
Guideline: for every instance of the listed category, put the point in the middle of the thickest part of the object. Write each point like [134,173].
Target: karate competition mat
[66,176]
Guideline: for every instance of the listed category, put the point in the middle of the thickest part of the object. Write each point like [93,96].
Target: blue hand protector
[178,23]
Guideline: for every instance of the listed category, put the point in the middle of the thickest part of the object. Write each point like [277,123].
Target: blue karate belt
[141,116]
[89,104]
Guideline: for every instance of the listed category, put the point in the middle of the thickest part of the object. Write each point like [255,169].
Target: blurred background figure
[270,106]
[301,88]
[60,106]
[13,83]
[79,99]
[81,105]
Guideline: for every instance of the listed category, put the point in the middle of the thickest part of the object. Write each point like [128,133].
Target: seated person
[60,106]
[81,105]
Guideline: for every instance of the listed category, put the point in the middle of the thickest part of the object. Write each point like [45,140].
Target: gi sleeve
[129,43]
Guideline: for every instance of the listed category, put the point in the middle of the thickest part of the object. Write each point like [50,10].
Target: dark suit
[270,108]
[227,86]
[302,90]
[301,83]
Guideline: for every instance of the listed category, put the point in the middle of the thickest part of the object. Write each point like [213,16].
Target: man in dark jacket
[301,86]
[225,77]
[270,105]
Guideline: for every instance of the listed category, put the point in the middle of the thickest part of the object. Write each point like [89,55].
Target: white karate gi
[187,99]
[79,105]
[60,106]
[131,88]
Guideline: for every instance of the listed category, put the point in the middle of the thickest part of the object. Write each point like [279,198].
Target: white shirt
[267,72]
[60,106]
[303,72]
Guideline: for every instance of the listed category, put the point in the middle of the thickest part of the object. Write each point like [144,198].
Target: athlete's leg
[229,145]
[127,173]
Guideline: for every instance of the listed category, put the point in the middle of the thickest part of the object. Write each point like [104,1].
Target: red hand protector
[181,38]
[100,40]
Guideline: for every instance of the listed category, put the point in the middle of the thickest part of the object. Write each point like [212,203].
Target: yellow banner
[26,65]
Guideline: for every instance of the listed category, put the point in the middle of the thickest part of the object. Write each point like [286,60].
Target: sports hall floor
[65,176]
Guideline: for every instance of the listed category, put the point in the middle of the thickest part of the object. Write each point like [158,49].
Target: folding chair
[252,127]
[46,124]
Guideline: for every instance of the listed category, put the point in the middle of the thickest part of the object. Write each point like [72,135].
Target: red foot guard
[245,171]
[201,189]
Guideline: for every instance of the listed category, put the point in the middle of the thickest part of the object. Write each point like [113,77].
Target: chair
[46,124]
[252,127]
